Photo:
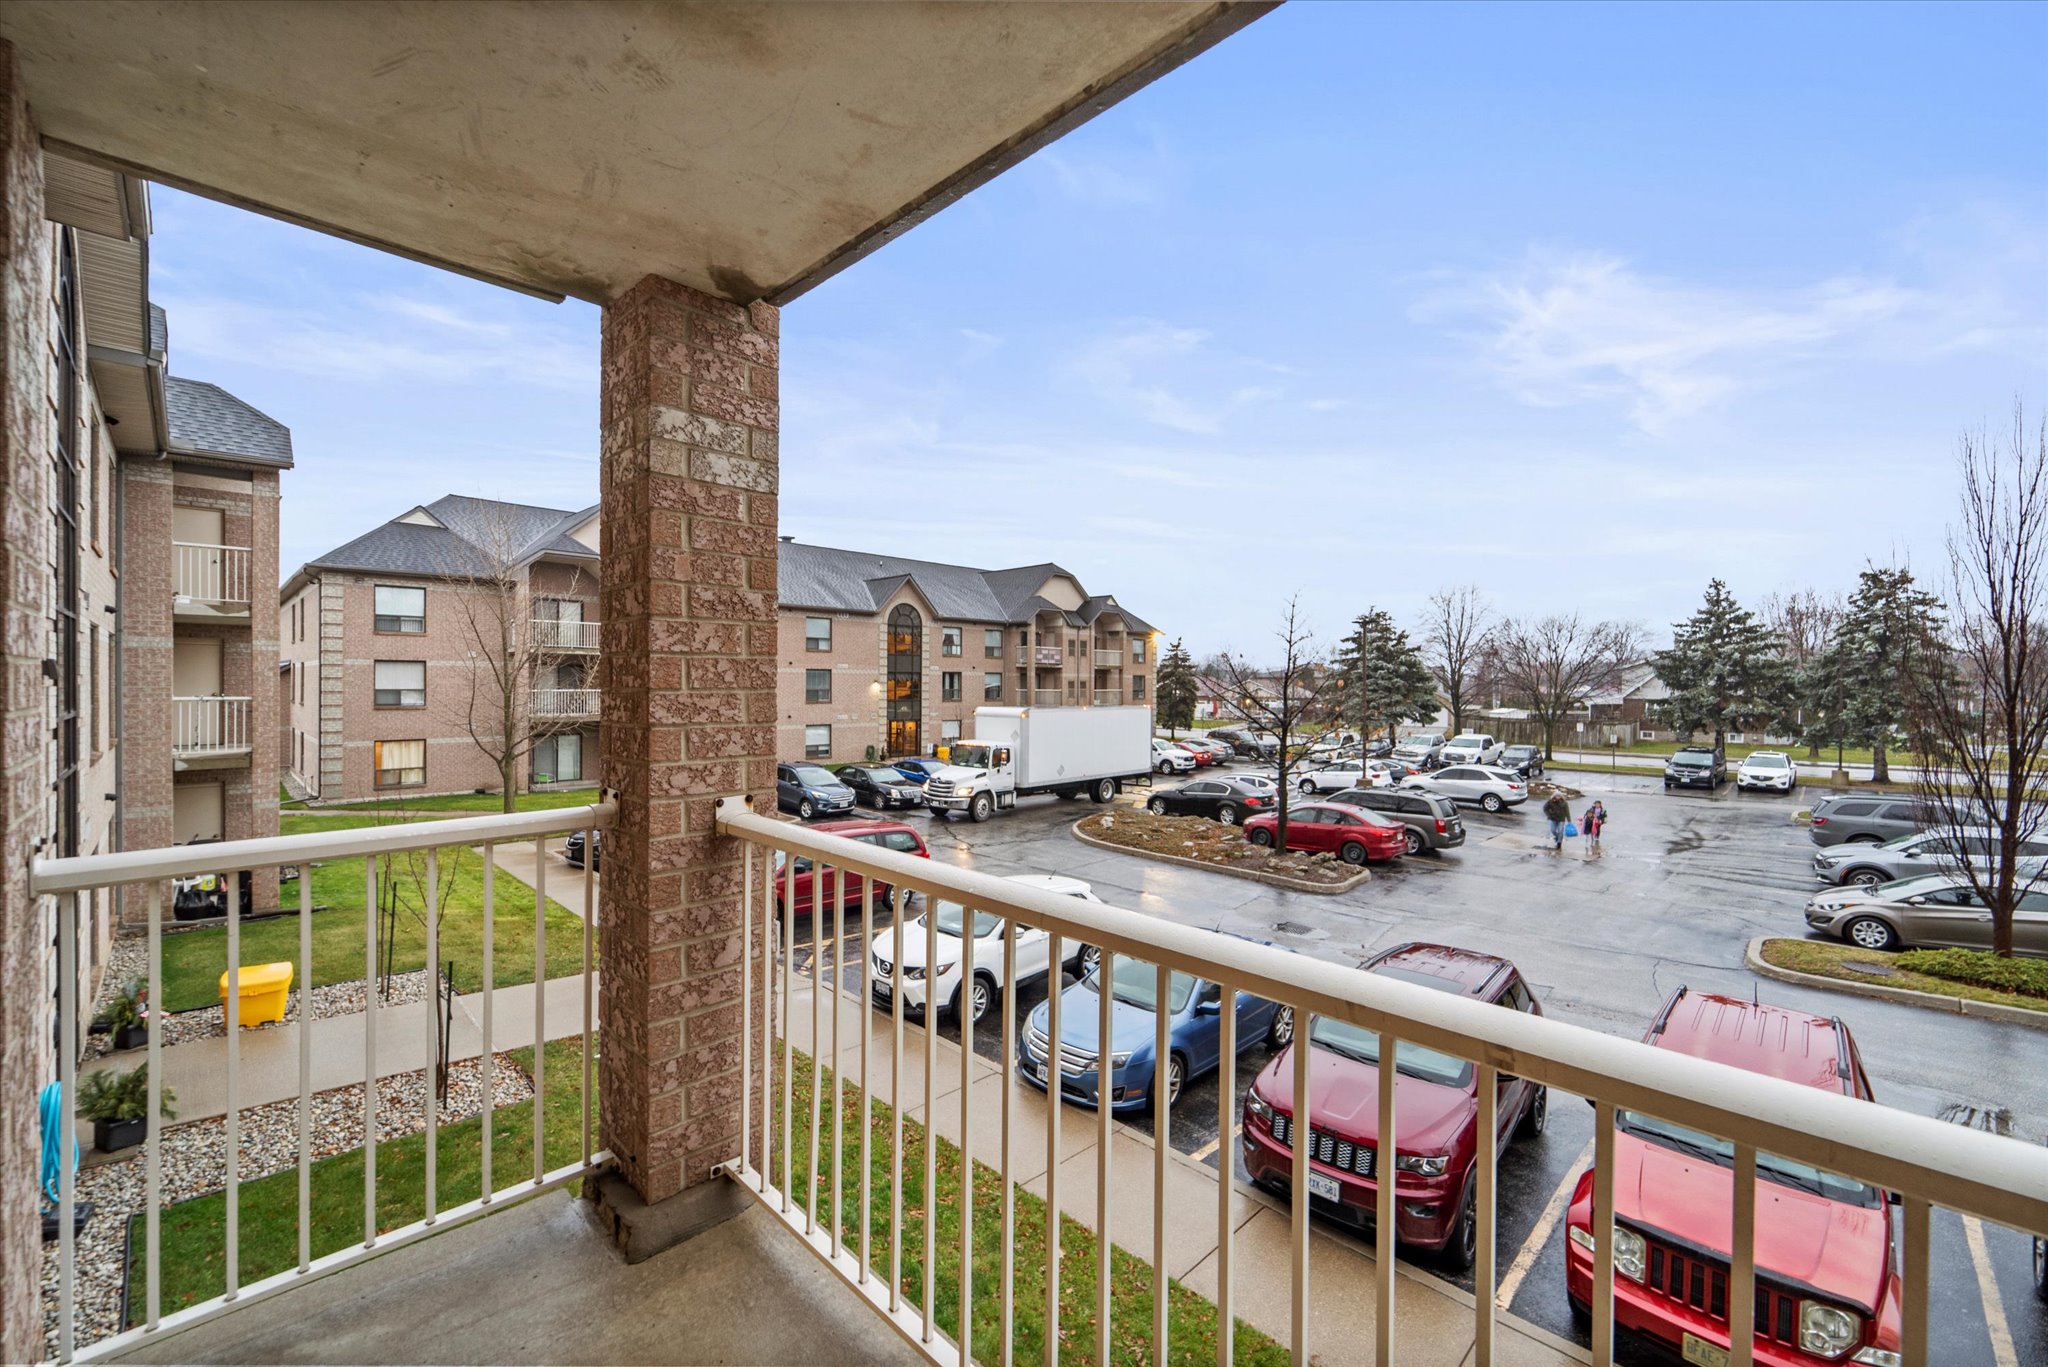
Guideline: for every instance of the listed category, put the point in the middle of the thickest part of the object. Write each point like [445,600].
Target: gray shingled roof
[207,420]
[475,533]
[159,331]
[861,581]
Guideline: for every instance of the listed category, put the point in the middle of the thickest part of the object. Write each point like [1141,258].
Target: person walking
[1558,813]
[1591,822]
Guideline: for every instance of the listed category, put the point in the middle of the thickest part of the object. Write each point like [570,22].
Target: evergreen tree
[1726,669]
[1384,679]
[1885,634]
[1173,689]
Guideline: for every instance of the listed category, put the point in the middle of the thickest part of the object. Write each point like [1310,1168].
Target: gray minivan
[1844,817]
[1432,819]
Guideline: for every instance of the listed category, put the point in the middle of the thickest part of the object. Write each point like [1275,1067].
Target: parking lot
[1681,883]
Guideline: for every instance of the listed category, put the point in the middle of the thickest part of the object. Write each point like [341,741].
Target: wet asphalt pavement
[1680,885]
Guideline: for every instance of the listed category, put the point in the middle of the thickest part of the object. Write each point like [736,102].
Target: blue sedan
[918,770]
[1193,1006]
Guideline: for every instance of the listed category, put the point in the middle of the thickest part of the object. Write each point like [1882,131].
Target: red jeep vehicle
[1827,1285]
[1436,1110]
[889,835]
[1353,834]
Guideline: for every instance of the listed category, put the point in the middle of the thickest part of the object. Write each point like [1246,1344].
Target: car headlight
[1119,1060]
[1877,1357]
[1256,1106]
[1426,1164]
[1828,1330]
[914,972]
[1631,1254]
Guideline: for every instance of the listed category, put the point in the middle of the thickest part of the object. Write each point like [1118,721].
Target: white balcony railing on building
[1109,659]
[66,879]
[565,702]
[552,633]
[1924,1163]
[209,574]
[1109,697]
[209,726]
[1048,697]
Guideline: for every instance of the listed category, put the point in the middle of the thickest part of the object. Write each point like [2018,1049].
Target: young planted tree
[1726,669]
[1550,665]
[1279,700]
[1884,637]
[1982,705]
[1381,677]
[1174,688]
[1455,627]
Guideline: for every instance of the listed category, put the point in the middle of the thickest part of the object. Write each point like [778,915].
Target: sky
[1584,305]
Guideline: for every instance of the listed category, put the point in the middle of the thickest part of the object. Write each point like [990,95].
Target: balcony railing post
[153,1241]
[232,1244]
[1485,1173]
[1386,1239]
[67,1123]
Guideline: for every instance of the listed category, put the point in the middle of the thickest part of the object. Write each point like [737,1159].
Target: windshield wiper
[1673,1141]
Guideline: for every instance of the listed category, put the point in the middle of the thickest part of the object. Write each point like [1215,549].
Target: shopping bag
[1571,828]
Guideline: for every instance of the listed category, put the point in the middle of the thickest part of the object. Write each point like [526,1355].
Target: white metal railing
[1109,697]
[1109,659]
[67,878]
[210,574]
[1924,1162]
[565,702]
[554,633]
[209,726]
[1047,697]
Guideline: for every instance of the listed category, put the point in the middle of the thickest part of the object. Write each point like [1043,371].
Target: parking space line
[1987,1286]
[1546,1224]
[1203,1154]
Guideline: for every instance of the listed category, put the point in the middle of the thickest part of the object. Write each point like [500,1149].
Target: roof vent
[786,538]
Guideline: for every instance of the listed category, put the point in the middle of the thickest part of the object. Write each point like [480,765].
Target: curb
[1271,880]
[1930,1001]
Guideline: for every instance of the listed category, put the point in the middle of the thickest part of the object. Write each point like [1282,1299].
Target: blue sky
[1583,305]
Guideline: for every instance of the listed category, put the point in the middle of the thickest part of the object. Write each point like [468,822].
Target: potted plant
[128,1015]
[117,1104]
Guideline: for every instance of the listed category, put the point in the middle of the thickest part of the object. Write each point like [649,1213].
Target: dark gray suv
[1841,819]
[1432,819]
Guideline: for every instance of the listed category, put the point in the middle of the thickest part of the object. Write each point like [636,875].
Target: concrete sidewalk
[269,1066]
[565,881]
[1434,1318]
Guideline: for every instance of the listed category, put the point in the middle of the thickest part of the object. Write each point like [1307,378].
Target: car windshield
[951,916]
[1357,1042]
[1137,984]
[1916,885]
[811,776]
[883,775]
[969,756]
[1720,1152]
[1520,750]
[1693,757]
[1767,762]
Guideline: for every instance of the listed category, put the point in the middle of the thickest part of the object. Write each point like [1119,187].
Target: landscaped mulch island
[1223,847]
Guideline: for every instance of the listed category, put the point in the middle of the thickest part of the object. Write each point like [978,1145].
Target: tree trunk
[1880,764]
[506,783]
[1549,740]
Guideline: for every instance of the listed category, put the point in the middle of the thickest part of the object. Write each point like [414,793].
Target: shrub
[2028,977]
[130,1006]
[114,1095]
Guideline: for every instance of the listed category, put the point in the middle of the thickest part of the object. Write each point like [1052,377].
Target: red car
[1826,1286]
[1204,756]
[1436,1110]
[889,835]
[1351,833]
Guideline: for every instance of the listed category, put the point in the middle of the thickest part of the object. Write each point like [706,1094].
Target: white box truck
[1017,751]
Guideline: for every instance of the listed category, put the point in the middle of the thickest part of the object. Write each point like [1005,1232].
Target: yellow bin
[265,988]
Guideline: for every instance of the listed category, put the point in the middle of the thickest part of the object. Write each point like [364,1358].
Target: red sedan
[1351,833]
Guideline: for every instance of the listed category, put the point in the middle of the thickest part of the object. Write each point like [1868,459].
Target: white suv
[921,984]
[1769,770]
[1168,758]
[1471,747]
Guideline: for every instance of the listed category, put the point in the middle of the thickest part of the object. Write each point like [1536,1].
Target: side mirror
[1209,1006]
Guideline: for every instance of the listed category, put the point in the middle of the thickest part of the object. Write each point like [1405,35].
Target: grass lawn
[1191,1318]
[193,1232]
[1830,960]
[195,959]
[471,802]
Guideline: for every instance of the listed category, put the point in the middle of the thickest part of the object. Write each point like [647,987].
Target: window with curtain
[817,742]
[401,683]
[401,609]
[401,763]
[949,687]
[817,685]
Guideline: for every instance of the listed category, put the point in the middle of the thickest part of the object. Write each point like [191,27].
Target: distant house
[1636,698]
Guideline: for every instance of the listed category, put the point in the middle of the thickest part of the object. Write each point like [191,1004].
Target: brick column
[26,1056]
[689,416]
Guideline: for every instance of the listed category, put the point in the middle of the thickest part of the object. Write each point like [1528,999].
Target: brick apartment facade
[874,654]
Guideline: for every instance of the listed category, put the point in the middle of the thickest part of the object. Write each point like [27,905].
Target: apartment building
[162,507]
[411,652]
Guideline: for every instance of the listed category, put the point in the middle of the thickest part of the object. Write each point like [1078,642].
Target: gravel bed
[195,1163]
[182,1027]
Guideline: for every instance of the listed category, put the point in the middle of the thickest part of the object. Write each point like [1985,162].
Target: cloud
[1587,327]
[979,344]
[1327,405]
[1166,376]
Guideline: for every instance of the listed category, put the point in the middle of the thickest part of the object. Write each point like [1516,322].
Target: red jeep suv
[1436,1109]
[1827,1285]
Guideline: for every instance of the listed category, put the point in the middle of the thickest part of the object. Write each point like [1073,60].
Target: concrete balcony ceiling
[747,150]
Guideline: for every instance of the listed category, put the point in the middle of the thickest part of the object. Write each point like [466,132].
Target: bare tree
[513,657]
[1806,621]
[1982,707]
[1279,700]
[1551,664]
[1455,627]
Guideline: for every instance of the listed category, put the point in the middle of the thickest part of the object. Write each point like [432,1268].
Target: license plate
[883,990]
[1697,1350]
[1325,1186]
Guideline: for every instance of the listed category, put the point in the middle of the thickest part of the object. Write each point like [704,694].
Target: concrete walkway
[269,1069]
[565,881]
[1434,1319]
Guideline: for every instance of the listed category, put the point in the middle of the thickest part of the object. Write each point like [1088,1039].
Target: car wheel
[1865,878]
[1582,1313]
[1157,806]
[980,999]
[1464,1240]
[1352,853]
[1227,815]
[1491,802]
[1088,960]
[982,808]
[1537,1116]
[1415,841]
[2041,1269]
[805,810]
[1863,839]
[1869,932]
[1280,1033]
[1308,786]
[1262,837]
[1105,790]
[1176,1078]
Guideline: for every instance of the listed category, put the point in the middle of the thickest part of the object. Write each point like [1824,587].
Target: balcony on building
[1109,697]
[564,635]
[1048,697]
[210,732]
[1109,659]
[209,583]
[557,705]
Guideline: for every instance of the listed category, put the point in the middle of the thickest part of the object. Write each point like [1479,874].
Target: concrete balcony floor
[540,1283]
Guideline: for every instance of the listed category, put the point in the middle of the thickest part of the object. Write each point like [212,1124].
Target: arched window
[906,676]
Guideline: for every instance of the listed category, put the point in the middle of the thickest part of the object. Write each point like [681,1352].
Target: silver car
[1933,911]
[1907,856]
[1475,785]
